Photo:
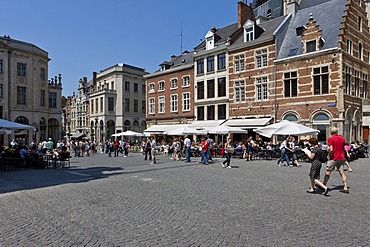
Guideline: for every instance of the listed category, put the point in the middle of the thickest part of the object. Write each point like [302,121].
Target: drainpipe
[9,84]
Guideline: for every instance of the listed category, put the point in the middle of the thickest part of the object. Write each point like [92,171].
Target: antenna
[181,48]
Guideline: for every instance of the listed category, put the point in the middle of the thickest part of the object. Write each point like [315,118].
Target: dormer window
[210,39]
[311,46]
[151,88]
[249,31]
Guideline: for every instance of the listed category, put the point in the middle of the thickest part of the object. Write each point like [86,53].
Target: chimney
[291,7]
[245,13]
[173,57]
[94,77]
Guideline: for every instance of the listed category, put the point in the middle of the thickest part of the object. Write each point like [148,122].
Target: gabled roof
[327,15]
[222,35]
[269,28]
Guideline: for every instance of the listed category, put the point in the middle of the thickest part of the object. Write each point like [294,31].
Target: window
[21,69]
[143,106]
[143,89]
[173,83]
[161,104]
[210,64]
[200,113]
[151,106]
[359,23]
[42,74]
[21,95]
[136,105]
[186,81]
[92,106]
[348,80]
[136,88]
[349,47]
[248,34]
[360,51]
[239,63]
[101,104]
[210,88]
[211,112]
[357,83]
[112,85]
[222,111]
[200,89]
[321,80]
[261,58]
[42,98]
[1,66]
[52,100]
[161,86]
[174,103]
[239,91]
[290,84]
[311,46]
[200,66]
[221,86]
[186,101]
[291,118]
[262,88]
[221,61]
[1,90]
[127,105]
[151,88]
[364,86]
[110,104]
[127,86]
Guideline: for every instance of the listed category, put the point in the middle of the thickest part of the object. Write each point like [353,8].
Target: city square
[125,201]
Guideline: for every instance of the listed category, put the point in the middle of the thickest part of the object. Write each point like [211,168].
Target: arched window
[360,51]
[21,120]
[321,117]
[126,125]
[136,126]
[291,118]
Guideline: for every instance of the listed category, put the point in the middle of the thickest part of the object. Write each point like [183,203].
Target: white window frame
[172,84]
[186,83]
[349,47]
[186,103]
[364,89]
[174,103]
[239,63]
[262,89]
[151,87]
[161,104]
[261,58]
[239,91]
[151,106]
[160,86]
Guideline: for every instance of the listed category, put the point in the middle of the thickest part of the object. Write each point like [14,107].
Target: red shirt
[204,146]
[337,143]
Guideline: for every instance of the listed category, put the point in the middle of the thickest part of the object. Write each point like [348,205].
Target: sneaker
[125,156]
[151,163]
[290,165]
[344,191]
[229,167]
[223,165]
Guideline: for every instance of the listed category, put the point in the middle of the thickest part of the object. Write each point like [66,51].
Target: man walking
[187,145]
[210,148]
[336,152]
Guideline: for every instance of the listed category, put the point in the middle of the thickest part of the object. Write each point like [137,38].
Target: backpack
[323,158]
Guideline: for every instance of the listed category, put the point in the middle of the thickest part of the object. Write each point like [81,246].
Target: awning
[77,135]
[206,124]
[161,129]
[248,123]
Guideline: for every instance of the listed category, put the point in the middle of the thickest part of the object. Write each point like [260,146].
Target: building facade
[26,94]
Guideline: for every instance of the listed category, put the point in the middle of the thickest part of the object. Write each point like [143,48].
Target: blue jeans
[228,159]
[283,157]
[209,154]
[187,154]
[204,157]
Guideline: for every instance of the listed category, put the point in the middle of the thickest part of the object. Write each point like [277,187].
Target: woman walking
[315,155]
[228,151]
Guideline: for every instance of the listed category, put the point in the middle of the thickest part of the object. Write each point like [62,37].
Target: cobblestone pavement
[119,201]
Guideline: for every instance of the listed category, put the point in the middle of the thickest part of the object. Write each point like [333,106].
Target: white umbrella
[131,133]
[116,135]
[224,129]
[191,131]
[286,128]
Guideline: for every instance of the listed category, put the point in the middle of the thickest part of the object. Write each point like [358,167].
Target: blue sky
[83,36]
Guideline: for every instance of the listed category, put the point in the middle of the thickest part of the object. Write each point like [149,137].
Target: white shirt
[187,142]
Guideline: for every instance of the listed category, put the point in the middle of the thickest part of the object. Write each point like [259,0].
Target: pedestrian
[229,149]
[116,148]
[148,150]
[154,149]
[204,147]
[109,148]
[283,152]
[187,146]
[316,155]
[337,160]
[210,148]
[126,145]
